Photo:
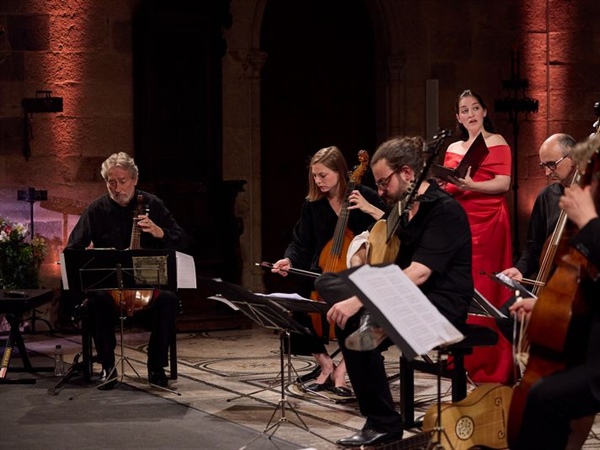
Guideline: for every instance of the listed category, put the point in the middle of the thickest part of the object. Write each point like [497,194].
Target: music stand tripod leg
[125,359]
[272,427]
[438,430]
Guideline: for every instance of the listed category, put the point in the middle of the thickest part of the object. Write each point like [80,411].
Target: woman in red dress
[483,197]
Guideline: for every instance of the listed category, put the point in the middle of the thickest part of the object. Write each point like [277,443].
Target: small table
[15,303]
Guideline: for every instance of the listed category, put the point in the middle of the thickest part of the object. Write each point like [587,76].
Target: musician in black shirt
[435,253]
[108,223]
[555,399]
[559,169]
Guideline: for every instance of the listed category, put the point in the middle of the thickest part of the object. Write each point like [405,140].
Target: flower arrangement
[20,261]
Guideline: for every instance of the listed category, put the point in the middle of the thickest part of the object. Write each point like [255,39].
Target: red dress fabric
[492,252]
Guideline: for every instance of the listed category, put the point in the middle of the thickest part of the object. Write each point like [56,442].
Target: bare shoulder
[457,147]
[493,139]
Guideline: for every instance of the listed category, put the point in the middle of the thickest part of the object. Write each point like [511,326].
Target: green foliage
[19,260]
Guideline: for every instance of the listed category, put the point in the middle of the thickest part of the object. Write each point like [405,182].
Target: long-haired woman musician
[327,186]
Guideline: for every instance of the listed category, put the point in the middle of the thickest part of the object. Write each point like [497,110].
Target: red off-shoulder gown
[492,252]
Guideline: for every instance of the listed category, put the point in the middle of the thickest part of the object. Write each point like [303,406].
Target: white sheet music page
[186,271]
[405,307]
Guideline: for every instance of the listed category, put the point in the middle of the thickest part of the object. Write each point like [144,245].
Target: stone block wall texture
[81,50]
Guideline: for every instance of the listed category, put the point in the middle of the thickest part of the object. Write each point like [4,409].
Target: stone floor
[236,375]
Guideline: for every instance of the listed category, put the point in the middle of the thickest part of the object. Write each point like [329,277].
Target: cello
[562,307]
[333,254]
[551,247]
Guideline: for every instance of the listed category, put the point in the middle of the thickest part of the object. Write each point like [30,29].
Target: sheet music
[513,284]
[405,307]
[186,271]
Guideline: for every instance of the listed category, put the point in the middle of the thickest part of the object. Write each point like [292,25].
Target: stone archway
[243,146]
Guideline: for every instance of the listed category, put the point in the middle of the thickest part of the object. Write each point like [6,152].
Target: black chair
[453,368]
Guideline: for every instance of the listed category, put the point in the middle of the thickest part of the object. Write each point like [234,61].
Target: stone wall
[81,51]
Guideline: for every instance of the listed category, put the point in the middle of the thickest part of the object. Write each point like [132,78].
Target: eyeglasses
[383,184]
[551,164]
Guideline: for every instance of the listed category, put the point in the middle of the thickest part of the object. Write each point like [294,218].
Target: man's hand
[514,273]
[522,308]
[340,312]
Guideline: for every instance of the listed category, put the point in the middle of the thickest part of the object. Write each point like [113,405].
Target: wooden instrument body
[384,244]
[557,331]
[559,325]
[480,419]
[335,261]
[382,250]
[134,300]
[333,255]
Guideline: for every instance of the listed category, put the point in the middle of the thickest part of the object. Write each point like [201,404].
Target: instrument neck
[342,222]
[136,233]
[547,260]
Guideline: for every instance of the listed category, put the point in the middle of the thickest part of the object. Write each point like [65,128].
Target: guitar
[480,419]
[133,300]
[384,244]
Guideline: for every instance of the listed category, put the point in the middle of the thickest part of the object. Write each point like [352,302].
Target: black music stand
[274,313]
[93,270]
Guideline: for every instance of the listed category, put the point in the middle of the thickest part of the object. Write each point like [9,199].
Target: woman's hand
[464,184]
[357,201]
[578,203]
[282,267]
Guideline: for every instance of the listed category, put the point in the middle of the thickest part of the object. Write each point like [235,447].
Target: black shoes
[108,379]
[368,336]
[340,391]
[158,377]
[368,436]
[315,387]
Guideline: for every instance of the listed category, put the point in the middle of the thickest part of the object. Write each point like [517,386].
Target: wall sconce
[42,103]
[31,195]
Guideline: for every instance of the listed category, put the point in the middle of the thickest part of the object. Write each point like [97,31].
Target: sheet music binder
[109,269]
[477,152]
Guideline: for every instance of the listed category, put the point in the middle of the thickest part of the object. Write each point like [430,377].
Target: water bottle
[59,362]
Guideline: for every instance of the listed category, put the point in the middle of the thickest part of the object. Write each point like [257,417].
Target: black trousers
[551,404]
[366,370]
[103,312]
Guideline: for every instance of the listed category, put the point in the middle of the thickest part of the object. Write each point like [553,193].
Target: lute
[384,244]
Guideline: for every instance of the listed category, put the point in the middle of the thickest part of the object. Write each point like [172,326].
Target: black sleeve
[587,241]
[175,237]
